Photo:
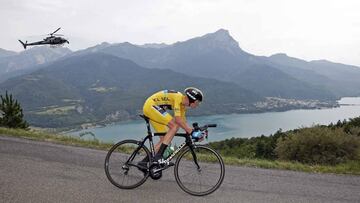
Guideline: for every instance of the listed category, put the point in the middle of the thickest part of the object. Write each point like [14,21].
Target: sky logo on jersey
[160,110]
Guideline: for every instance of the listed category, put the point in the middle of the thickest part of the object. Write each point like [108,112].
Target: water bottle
[168,151]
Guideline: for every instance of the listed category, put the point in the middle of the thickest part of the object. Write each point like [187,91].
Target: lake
[239,125]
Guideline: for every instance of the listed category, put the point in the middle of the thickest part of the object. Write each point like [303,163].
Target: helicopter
[53,39]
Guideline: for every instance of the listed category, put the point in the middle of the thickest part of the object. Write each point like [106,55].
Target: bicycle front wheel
[122,164]
[199,171]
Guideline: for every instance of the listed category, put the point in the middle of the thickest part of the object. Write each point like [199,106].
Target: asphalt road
[33,171]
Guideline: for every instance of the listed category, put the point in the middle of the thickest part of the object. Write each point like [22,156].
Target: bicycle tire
[114,168]
[204,154]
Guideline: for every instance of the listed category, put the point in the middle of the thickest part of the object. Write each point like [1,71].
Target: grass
[55,138]
[350,167]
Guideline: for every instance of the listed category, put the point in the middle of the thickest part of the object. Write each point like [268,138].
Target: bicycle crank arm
[163,168]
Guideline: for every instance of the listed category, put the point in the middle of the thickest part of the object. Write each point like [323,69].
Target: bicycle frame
[150,135]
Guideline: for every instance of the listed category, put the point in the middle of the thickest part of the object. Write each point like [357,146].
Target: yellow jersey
[167,99]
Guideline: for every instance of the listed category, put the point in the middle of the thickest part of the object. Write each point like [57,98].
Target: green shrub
[11,113]
[256,147]
[318,145]
[353,126]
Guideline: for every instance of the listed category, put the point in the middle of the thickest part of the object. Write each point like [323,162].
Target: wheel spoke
[118,172]
[202,182]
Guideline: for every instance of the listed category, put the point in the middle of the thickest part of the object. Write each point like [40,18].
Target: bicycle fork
[195,157]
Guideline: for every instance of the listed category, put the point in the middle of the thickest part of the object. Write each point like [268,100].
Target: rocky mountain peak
[221,39]
[222,33]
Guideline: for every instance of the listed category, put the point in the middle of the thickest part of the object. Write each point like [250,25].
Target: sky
[306,29]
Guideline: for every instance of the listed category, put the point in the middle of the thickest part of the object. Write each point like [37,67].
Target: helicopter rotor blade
[55,31]
[34,37]
[58,35]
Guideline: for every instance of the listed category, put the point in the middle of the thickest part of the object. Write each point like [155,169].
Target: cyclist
[155,108]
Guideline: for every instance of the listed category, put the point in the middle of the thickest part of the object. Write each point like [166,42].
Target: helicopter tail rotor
[24,44]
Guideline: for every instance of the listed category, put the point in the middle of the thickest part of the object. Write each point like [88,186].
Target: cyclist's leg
[173,128]
[159,119]
[163,144]
[159,128]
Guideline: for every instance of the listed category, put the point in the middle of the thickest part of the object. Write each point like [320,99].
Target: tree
[11,113]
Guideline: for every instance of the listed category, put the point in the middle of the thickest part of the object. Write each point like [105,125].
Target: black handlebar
[211,125]
[205,127]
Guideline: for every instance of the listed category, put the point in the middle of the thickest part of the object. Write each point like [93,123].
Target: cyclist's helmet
[194,94]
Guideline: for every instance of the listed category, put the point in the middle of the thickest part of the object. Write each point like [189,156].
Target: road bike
[199,170]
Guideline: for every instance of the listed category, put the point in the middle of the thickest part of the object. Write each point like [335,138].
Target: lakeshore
[239,125]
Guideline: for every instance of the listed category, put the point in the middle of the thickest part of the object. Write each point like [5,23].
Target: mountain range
[100,87]
[13,64]
[218,56]
[109,82]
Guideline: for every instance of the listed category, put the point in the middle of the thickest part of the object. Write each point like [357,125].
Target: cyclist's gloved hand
[197,135]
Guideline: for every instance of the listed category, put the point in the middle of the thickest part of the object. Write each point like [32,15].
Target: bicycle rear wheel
[121,164]
[201,180]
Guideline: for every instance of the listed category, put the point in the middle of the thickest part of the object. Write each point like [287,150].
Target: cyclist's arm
[179,114]
[180,121]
